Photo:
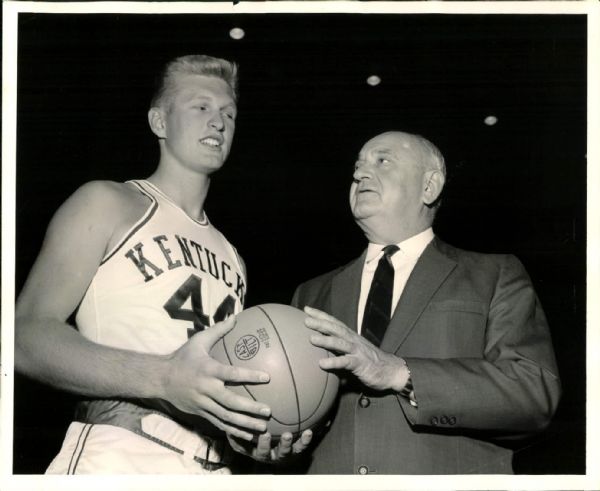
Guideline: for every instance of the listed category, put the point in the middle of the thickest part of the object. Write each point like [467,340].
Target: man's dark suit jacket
[475,338]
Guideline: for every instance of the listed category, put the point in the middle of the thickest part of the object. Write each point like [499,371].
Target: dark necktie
[379,301]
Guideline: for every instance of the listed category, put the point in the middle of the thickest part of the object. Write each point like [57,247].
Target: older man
[446,353]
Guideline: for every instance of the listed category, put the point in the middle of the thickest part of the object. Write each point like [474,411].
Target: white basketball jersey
[169,277]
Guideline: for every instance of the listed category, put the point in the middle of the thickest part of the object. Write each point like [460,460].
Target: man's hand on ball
[373,367]
[195,383]
[283,452]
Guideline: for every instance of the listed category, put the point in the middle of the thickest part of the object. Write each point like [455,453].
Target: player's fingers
[231,411]
[284,447]
[230,429]
[212,335]
[240,446]
[229,373]
[240,404]
[302,442]
[263,447]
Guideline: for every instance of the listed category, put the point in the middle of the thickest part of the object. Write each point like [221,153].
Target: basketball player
[154,286]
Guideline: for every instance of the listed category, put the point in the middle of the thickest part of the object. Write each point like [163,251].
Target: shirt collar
[412,247]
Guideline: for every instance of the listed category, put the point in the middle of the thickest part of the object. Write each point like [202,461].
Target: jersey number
[191,288]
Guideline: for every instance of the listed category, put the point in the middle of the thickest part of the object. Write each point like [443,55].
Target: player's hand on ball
[195,384]
[283,452]
[373,367]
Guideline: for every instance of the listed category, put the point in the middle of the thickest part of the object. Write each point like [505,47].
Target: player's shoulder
[101,202]
[104,191]
[104,197]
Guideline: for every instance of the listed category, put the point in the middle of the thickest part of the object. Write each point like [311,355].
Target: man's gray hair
[433,158]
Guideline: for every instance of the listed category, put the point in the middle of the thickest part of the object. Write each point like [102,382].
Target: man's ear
[157,123]
[433,183]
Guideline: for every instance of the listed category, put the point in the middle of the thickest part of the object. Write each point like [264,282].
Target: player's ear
[156,119]
[433,183]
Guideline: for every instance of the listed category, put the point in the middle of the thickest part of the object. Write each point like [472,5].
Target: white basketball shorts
[168,448]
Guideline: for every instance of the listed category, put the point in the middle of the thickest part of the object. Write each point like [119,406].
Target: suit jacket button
[364,401]
[363,469]
[444,420]
[452,420]
[434,421]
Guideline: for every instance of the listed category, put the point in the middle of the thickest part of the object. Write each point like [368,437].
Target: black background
[84,83]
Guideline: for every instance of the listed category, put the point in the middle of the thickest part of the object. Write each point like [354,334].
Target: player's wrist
[162,384]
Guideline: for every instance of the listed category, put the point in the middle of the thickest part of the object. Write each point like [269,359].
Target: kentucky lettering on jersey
[188,253]
[168,278]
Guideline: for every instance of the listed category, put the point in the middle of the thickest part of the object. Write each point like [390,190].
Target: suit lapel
[345,290]
[431,270]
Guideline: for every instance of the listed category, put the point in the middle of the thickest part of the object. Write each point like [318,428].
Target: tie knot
[390,250]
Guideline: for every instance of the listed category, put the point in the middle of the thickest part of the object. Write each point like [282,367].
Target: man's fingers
[345,362]
[325,326]
[331,343]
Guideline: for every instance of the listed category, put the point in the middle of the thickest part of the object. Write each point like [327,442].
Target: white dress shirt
[403,260]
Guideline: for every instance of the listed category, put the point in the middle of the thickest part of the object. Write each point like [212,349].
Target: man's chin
[363,212]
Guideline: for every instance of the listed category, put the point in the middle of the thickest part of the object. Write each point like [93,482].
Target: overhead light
[373,80]
[490,120]
[237,33]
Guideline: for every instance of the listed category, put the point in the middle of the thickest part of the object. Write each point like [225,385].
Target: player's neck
[188,192]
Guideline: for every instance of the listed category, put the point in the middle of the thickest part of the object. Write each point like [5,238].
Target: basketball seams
[328,379]
[232,363]
[316,409]
[287,359]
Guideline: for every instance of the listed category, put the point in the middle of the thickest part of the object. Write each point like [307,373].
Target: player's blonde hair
[193,65]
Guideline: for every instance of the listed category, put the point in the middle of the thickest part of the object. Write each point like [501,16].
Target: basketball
[274,339]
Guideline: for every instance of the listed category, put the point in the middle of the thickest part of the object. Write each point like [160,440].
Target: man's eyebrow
[383,151]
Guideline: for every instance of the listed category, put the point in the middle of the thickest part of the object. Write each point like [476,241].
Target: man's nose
[361,171]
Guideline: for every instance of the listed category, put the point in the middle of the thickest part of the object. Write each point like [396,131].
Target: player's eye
[382,160]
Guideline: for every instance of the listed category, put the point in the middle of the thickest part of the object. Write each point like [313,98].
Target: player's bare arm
[373,367]
[47,348]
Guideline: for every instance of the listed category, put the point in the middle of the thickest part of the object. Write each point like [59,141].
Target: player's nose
[216,121]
